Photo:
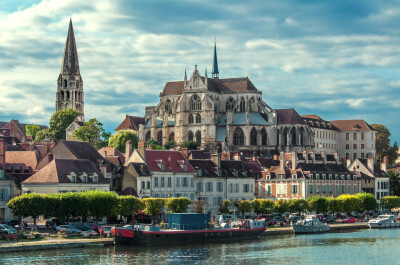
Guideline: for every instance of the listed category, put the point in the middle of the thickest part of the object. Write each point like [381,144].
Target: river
[359,247]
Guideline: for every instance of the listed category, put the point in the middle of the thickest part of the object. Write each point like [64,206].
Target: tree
[89,132]
[334,205]
[383,147]
[154,144]
[170,144]
[350,202]
[224,207]
[191,145]
[129,205]
[244,207]
[198,206]
[262,206]
[119,140]
[28,204]
[102,203]
[178,205]
[390,202]
[281,206]
[59,122]
[394,178]
[153,206]
[297,205]
[32,130]
[368,201]
[317,204]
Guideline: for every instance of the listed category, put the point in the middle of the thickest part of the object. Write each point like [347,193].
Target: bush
[191,145]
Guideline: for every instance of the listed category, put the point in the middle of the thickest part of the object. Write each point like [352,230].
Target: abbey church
[223,115]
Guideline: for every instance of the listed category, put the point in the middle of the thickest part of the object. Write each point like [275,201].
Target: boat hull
[384,225]
[152,238]
[301,229]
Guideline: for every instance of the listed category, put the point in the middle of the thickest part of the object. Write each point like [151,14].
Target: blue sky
[336,59]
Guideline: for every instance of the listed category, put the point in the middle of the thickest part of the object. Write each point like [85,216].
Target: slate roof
[141,169]
[377,170]
[230,166]
[325,168]
[129,191]
[352,125]
[207,167]
[199,154]
[58,169]
[130,123]
[70,63]
[289,116]
[172,161]
[316,122]
[268,162]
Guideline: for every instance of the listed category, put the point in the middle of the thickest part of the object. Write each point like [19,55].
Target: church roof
[130,123]
[70,64]
[352,125]
[289,116]
[255,118]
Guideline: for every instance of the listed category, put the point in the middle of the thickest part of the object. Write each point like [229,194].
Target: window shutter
[6,194]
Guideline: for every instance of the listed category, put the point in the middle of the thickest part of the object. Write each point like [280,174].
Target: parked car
[8,229]
[273,221]
[294,216]
[81,226]
[68,229]
[15,223]
[349,220]
[94,226]
[51,221]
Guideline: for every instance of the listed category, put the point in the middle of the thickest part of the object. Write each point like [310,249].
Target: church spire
[215,72]
[70,64]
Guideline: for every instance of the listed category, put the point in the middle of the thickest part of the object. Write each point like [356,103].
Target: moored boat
[384,221]
[310,225]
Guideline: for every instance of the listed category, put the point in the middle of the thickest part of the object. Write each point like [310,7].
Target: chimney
[141,150]
[370,164]
[276,157]
[237,156]
[184,151]
[313,156]
[305,155]
[225,156]
[323,155]
[50,157]
[105,153]
[128,150]
[216,158]
[103,169]
[384,164]
[3,149]
[254,156]
[282,161]
[294,160]
[336,155]
[348,162]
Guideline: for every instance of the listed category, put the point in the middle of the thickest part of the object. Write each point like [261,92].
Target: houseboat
[310,225]
[384,221]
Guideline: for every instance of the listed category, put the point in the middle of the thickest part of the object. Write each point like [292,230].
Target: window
[317,189]
[281,189]
[143,184]
[4,194]
[95,178]
[354,156]
[294,176]
[198,118]
[185,182]
[199,187]
[178,182]
[268,189]
[231,187]
[342,189]
[161,166]
[294,189]
[168,106]
[209,186]
[191,182]
[354,146]
[238,137]
[198,138]
[347,146]
[73,178]
[347,156]
[155,181]
[162,182]
[252,105]
[190,119]
[362,136]
[354,136]
[148,184]
[362,146]
[159,137]
[263,137]
[195,103]
[253,137]
[242,105]
[220,187]
[355,189]
[237,187]
[1,173]
[311,188]
[337,189]
[230,104]
[347,136]
[190,136]
[246,188]
[330,189]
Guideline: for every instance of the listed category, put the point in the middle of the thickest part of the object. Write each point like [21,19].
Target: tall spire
[215,72]
[70,64]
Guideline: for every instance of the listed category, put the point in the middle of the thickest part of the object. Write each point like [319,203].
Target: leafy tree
[297,205]
[93,133]
[350,202]
[281,206]
[153,206]
[58,124]
[262,206]
[236,204]
[317,204]
[394,178]
[390,202]
[198,206]
[383,147]
[224,207]
[178,205]
[170,144]
[119,140]
[334,205]
[129,205]
[368,201]
[32,130]
[191,145]
[244,207]
[28,204]
[102,203]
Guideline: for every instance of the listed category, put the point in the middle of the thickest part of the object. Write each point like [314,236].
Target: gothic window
[238,137]
[77,84]
[293,136]
[168,106]
[190,136]
[263,137]
[301,135]
[66,106]
[76,96]
[242,105]
[147,137]
[252,105]
[253,137]
[159,137]
[190,119]
[62,95]
[198,118]
[65,83]
[67,95]
[198,138]
[171,136]
[230,104]
[195,103]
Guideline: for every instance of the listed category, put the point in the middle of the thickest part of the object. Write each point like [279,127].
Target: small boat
[310,225]
[384,221]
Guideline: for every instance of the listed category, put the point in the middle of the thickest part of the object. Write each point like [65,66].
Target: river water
[359,247]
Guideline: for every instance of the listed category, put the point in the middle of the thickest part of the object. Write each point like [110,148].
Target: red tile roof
[352,125]
[111,151]
[172,161]
[24,159]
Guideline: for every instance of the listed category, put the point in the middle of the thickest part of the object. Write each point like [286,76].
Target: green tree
[262,206]
[42,134]
[129,205]
[244,207]
[178,205]
[119,140]
[32,130]
[28,204]
[394,178]
[153,206]
[334,205]
[390,202]
[102,203]
[170,144]
[383,147]
[350,202]
[191,145]
[236,204]
[153,144]
[224,207]
[368,201]
[89,132]
[317,204]
[281,206]
[59,122]
[297,205]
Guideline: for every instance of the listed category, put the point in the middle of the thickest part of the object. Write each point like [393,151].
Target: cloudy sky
[337,59]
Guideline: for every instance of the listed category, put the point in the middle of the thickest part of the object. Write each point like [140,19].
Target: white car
[68,229]
[8,229]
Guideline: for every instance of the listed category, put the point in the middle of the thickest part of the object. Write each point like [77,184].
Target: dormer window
[84,178]
[73,178]
[294,176]
[330,176]
[268,177]
[95,178]
[354,177]
[184,167]
[1,174]
[348,177]
[199,172]
[336,176]
[311,176]
[341,176]
[323,176]
[317,176]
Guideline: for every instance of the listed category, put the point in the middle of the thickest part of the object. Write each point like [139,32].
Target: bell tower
[69,84]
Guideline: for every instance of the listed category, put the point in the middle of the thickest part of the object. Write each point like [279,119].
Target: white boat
[310,226]
[384,221]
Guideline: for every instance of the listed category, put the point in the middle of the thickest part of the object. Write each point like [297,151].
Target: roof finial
[215,72]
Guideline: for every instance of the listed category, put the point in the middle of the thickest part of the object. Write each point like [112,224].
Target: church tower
[215,72]
[69,83]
